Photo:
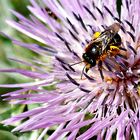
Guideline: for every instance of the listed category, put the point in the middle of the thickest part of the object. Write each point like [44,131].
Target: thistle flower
[82,108]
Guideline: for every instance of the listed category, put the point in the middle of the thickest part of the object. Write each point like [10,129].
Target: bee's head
[89,59]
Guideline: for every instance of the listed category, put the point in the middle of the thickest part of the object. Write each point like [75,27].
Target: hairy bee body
[102,45]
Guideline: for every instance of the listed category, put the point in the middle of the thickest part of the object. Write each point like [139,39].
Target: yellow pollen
[96,35]
[109,80]
[114,48]
[138,90]
[88,66]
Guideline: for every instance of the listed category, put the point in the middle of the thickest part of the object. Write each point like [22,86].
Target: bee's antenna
[77,63]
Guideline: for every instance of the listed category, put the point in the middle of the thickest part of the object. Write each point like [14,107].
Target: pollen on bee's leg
[138,90]
[108,80]
[96,35]
[114,48]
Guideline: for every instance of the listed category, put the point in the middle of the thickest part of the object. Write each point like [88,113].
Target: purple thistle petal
[27,73]
[79,99]
[43,82]
[138,129]
[28,64]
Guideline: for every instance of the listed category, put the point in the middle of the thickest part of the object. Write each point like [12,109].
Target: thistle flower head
[82,105]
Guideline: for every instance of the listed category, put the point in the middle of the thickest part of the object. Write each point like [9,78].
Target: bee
[102,45]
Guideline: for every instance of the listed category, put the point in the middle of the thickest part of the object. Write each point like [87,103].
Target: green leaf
[4,135]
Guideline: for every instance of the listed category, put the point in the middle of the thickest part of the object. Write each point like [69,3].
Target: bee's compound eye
[95,50]
[92,62]
[84,55]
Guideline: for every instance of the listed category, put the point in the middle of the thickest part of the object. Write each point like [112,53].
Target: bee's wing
[106,39]
[104,35]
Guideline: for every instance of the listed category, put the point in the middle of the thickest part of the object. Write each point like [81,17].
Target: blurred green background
[8,50]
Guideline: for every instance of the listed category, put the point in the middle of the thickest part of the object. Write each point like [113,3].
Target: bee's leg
[114,50]
[85,68]
[123,49]
[108,66]
[100,69]
[122,56]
